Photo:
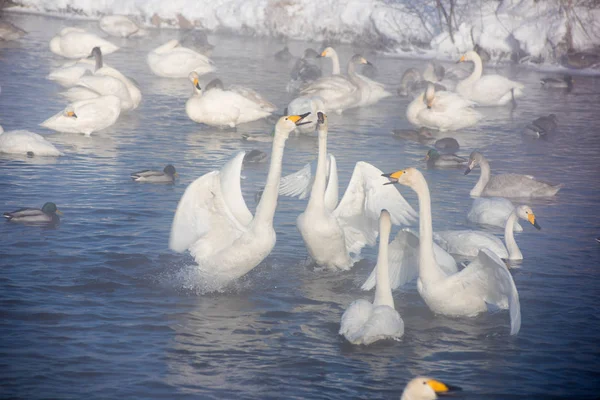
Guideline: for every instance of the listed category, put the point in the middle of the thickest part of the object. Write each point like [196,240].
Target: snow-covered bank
[541,31]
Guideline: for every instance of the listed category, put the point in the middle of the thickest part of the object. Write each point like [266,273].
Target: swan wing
[469,242]
[448,101]
[354,318]
[205,220]
[297,184]
[488,278]
[254,97]
[515,185]
[365,197]
[335,83]
[492,211]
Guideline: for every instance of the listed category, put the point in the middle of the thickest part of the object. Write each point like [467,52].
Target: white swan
[337,91]
[213,222]
[219,107]
[487,90]
[120,26]
[442,111]
[86,116]
[104,81]
[484,281]
[493,211]
[77,43]
[469,242]
[303,104]
[71,72]
[506,185]
[334,238]
[366,323]
[424,388]
[170,60]
[26,143]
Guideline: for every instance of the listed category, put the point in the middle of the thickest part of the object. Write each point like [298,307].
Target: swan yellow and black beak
[71,114]
[441,388]
[298,118]
[393,177]
[462,59]
[531,219]
[365,61]
[320,118]
[470,167]
[197,84]
[323,54]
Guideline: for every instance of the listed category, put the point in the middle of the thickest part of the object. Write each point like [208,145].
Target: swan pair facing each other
[213,222]
[77,43]
[26,143]
[442,110]
[171,60]
[103,81]
[218,107]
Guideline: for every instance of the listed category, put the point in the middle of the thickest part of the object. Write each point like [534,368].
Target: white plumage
[24,142]
[86,116]
[171,60]
[77,43]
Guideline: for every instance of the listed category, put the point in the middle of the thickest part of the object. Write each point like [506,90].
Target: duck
[9,31]
[425,388]
[484,282]
[225,108]
[302,104]
[442,111]
[304,71]
[171,60]
[469,242]
[422,135]
[213,222]
[103,81]
[335,233]
[47,215]
[487,90]
[120,26]
[77,43]
[554,83]
[283,55]
[86,116]
[447,144]
[167,175]
[542,126]
[506,185]
[436,160]
[492,211]
[363,322]
[26,143]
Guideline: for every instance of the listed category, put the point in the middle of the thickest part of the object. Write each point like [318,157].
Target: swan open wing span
[211,213]
[365,197]
[404,261]
[488,278]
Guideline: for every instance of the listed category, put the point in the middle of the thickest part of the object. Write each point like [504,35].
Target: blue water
[99,307]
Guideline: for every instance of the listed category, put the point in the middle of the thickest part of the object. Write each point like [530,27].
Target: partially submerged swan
[77,43]
[26,143]
[171,60]
[86,116]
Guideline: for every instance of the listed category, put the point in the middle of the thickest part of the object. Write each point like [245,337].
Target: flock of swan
[214,224]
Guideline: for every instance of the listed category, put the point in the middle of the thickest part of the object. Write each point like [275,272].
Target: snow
[522,29]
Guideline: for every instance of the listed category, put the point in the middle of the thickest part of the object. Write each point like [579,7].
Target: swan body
[364,322]
[71,72]
[303,104]
[493,211]
[25,142]
[333,237]
[213,222]
[485,281]
[47,215]
[442,111]
[120,26]
[167,175]
[487,90]
[424,388]
[170,60]
[92,86]
[225,108]
[77,43]
[86,116]
[9,31]
[506,185]
[469,242]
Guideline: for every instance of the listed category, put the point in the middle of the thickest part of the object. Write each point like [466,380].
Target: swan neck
[383,290]
[331,193]
[477,70]
[428,268]
[514,253]
[265,211]
[484,178]
[317,195]
[98,57]
[335,60]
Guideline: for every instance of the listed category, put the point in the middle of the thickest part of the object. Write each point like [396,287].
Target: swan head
[526,213]
[170,170]
[288,123]
[407,177]
[195,79]
[50,208]
[358,59]
[424,388]
[430,94]
[470,56]
[322,122]
[328,52]
[70,113]
[474,160]
[96,52]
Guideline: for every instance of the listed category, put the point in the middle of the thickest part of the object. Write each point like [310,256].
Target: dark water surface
[101,308]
